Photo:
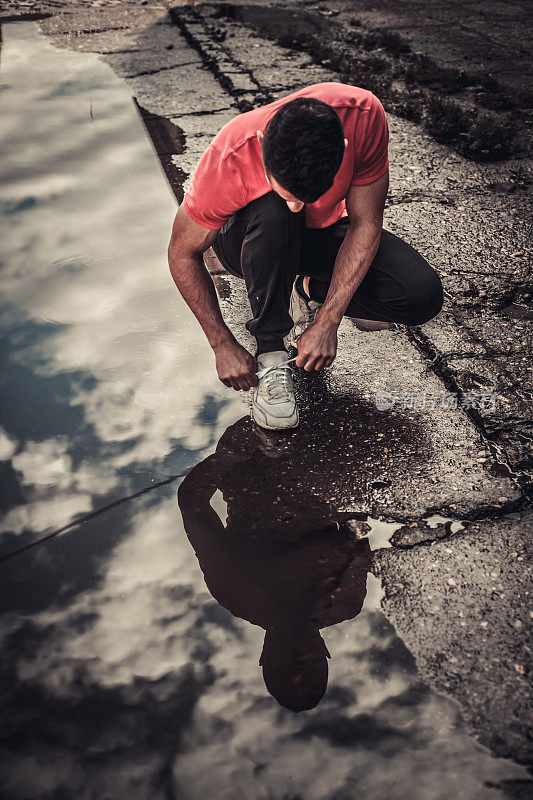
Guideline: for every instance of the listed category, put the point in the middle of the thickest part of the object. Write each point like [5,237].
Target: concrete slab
[240,82]
[151,61]
[272,66]
[165,51]
[107,41]
[463,607]
[500,332]
[81,19]
[145,33]
[176,92]
[206,124]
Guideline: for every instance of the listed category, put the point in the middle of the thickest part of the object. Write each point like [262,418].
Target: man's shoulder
[337,94]
[238,136]
[238,132]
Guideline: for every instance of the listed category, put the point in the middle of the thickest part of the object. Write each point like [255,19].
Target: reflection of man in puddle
[289,569]
[291,197]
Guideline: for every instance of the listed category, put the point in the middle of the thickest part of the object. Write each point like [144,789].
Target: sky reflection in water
[107,380]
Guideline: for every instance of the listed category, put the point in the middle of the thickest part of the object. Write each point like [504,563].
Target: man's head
[302,150]
[295,667]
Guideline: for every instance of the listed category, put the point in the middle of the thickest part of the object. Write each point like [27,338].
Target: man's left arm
[317,346]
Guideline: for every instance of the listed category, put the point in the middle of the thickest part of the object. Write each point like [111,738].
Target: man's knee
[424,297]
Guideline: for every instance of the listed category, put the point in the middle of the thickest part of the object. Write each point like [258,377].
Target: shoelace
[276,384]
[263,372]
[277,379]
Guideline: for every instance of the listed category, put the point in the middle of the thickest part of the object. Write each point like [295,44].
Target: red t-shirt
[230,173]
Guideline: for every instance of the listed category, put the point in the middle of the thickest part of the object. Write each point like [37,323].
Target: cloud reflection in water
[105,372]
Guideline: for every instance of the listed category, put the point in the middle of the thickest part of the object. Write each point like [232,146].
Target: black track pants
[268,245]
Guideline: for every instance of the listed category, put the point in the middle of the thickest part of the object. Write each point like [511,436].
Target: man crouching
[291,197]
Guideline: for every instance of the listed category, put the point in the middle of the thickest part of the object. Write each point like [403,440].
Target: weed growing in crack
[488,140]
[390,41]
[445,119]
[407,106]
[480,138]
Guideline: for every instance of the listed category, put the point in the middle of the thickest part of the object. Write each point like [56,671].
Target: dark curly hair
[303,147]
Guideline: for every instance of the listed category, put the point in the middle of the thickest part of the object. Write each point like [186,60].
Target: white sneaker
[273,401]
[303,313]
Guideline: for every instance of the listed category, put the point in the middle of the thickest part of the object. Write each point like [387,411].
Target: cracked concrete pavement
[198,69]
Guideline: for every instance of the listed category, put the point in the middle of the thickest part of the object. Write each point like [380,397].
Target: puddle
[126,670]
[106,379]
[133,664]
[437,519]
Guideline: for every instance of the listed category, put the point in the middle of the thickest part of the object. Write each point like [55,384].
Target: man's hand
[235,366]
[317,346]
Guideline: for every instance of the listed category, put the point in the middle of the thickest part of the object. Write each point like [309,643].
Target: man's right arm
[189,240]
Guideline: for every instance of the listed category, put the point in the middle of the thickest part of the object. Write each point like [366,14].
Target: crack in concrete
[480,514]
[438,366]
[424,542]
[211,61]
[29,16]
[83,31]
[118,52]
[160,69]
[200,113]
[465,354]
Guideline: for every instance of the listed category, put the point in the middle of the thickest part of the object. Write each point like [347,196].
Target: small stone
[521,669]
[452,582]
[483,624]
[502,499]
